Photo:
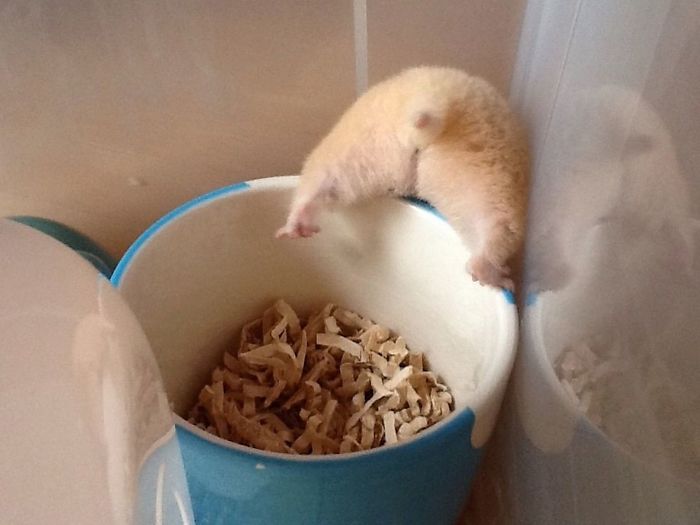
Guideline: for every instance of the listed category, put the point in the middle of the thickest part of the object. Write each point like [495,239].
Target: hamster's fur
[441,135]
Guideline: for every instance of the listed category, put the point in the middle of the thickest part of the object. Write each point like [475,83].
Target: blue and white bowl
[200,272]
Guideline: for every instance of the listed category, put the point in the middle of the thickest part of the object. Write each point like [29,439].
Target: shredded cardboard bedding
[626,392]
[337,383]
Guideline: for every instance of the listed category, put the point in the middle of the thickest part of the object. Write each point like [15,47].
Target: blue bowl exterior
[421,482]
[74,239]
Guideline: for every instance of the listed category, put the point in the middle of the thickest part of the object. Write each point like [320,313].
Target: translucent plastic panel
[602,421]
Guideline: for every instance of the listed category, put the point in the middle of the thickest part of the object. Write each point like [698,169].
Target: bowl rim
[492,383]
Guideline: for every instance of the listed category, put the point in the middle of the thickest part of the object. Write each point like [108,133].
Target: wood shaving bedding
[626,391]
[338,383]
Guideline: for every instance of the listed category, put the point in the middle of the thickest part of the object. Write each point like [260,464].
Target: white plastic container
[87,435]
[213,264]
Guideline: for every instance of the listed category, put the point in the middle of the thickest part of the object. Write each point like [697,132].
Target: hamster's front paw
[301,222]
[490,274]
[296,230]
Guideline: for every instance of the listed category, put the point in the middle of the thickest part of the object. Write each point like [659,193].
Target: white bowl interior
[196,278]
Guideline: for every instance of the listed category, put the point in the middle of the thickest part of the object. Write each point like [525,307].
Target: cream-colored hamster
[441,135]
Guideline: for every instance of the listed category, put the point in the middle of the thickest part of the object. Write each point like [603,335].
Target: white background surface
[112,113]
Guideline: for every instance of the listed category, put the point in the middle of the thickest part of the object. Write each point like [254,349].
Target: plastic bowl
[200,272]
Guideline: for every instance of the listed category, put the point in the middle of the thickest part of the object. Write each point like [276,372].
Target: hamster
[438,134]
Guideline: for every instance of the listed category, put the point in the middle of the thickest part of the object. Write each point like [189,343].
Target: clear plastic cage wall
[601,424]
